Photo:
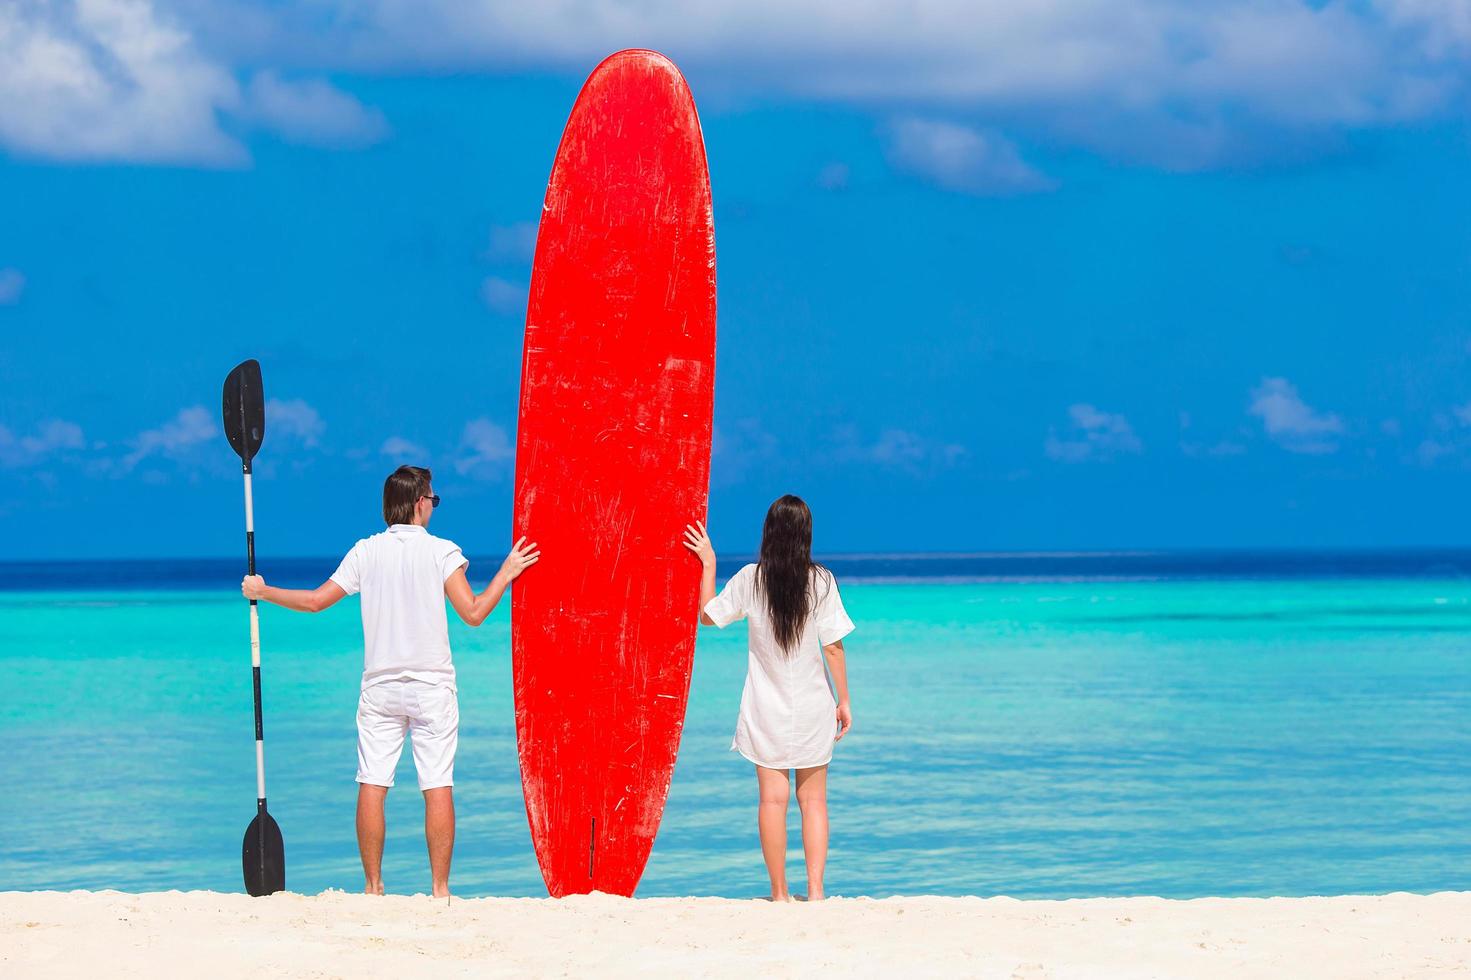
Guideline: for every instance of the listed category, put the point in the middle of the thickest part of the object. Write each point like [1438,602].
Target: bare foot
[815,896]
[373,888]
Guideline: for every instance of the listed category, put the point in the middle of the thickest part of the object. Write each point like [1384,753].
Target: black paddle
[263,855]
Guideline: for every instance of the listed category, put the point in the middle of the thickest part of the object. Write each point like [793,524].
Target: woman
[789,719]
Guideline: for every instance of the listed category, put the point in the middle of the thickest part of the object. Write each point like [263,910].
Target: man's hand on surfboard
[253,587]
[522,557]
[698,541]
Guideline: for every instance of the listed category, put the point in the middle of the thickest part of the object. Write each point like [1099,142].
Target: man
[404,575]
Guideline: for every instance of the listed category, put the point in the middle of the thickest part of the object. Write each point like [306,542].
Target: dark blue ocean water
[1221,723]
[223,573]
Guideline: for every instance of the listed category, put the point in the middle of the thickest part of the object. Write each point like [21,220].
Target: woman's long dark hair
[784,571]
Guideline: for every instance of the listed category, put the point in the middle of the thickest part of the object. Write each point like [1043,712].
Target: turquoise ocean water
[1044,726]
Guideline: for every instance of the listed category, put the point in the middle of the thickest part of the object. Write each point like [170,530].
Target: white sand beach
[55,934]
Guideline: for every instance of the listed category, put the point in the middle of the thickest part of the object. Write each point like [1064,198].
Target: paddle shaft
[260,742]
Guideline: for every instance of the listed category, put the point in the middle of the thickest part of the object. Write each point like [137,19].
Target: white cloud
[1171,82]
[962,159]
[1174,83]
[1292,423]
[312,112]
[898,446]
[487,450]
[1223,447]
[512,243]
[1443,26]
[833,177]
[1094,436]
[1431,450]
[127,80]
[109,80]
[503,296]
[12,284]
[895,448]
[1448,437]
[52,436]
[404,450]
[175,437]
[738,448]
[746,439]
[1198,447]
[296,419]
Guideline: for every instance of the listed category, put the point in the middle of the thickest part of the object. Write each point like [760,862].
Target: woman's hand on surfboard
[522,557]
[253,587]
[696,540]
[845,720]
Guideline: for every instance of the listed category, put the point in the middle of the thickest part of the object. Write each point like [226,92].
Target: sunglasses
[433,500]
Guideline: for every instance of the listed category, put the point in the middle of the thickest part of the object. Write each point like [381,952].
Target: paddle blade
[264,856]
[245,409]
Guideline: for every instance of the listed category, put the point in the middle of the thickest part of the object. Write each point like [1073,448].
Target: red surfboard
[612,461]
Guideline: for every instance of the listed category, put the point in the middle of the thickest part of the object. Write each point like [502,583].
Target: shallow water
[1058,735]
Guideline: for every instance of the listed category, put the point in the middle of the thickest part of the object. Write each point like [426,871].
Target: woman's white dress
[788,715]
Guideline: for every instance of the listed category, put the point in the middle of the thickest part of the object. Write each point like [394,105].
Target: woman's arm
[696,540]
[837,665]
[302,600]
[474,608]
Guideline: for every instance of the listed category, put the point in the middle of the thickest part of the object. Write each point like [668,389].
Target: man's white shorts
[390,709]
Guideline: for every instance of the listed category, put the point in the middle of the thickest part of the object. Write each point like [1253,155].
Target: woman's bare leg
[771,821]
[812,800]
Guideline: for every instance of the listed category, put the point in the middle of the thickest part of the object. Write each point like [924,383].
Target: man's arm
[474,608]
[302,600]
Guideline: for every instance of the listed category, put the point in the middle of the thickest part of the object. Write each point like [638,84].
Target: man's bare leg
[370,835]
[439,832]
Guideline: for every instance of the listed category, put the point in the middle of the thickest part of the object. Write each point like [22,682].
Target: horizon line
[871,555]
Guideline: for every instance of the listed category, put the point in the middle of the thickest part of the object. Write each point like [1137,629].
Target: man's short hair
[402,490]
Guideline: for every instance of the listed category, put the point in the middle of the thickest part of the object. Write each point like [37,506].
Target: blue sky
[1076,275]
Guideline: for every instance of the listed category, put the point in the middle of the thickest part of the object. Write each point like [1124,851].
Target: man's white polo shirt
[401,573]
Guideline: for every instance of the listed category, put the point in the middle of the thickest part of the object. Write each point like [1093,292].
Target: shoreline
[334,933]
